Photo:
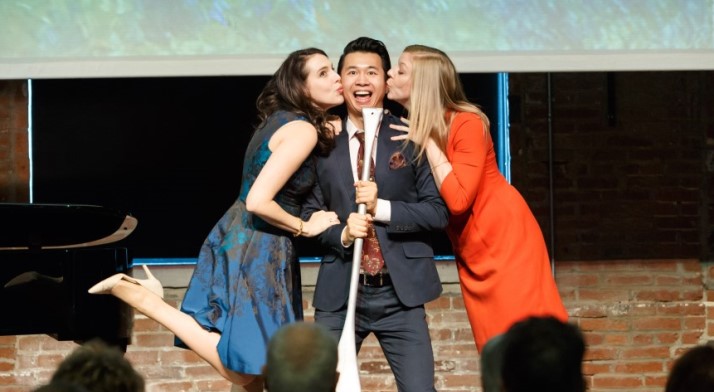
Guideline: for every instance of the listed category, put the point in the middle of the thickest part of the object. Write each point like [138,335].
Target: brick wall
[14,155]
[637,316]
[628,148]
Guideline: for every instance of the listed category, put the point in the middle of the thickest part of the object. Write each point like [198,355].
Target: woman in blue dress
[246,283]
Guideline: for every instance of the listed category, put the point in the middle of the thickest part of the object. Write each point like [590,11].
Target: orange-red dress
[500,252]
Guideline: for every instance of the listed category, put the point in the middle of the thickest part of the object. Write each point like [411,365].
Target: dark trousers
[401,331]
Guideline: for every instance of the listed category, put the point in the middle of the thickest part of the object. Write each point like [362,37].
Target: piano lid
[52,226]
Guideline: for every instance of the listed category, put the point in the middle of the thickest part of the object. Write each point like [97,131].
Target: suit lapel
[343,162]
[384,152]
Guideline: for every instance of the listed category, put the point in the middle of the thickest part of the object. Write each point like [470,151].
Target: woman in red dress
[501,256]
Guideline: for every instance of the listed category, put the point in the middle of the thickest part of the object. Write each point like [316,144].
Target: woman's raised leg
[185,327]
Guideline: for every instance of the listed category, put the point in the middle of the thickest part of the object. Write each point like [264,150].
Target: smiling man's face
[364,83]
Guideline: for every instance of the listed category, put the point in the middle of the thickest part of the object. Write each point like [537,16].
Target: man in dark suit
[404,207]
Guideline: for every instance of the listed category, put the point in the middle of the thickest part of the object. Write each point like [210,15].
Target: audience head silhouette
[61,387]
[693,371]
[543,354]
[302,357]
[98,368]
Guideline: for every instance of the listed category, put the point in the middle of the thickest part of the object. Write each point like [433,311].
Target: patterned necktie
[372,260]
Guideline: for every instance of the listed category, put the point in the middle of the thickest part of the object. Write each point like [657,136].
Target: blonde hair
[436,89]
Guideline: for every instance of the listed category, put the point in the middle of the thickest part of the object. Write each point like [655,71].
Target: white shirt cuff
[383,211]
[343,235]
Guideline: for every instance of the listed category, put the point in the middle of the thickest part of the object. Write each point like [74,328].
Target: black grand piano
[50,254]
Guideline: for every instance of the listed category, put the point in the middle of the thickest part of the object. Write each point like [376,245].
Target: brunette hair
[693,371]
[98,368]
[287,90]
[301,357]
[543,354]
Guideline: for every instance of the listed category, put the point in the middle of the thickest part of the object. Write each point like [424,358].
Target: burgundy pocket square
[397,161]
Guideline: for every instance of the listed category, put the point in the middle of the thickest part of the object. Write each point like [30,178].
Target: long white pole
[346,348]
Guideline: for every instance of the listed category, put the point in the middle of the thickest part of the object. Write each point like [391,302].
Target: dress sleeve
[466,150]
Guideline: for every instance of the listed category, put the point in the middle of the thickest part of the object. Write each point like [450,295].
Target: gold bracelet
[299,232]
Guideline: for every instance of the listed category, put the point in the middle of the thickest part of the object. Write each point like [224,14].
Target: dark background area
[168,151]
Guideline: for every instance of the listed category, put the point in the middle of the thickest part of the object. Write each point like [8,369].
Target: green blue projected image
[140,28]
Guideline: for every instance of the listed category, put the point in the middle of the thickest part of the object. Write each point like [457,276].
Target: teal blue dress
[246,283]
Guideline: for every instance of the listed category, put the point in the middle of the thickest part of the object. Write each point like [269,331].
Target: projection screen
[129,38]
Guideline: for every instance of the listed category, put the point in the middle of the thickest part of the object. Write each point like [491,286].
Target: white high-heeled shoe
[152,284]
